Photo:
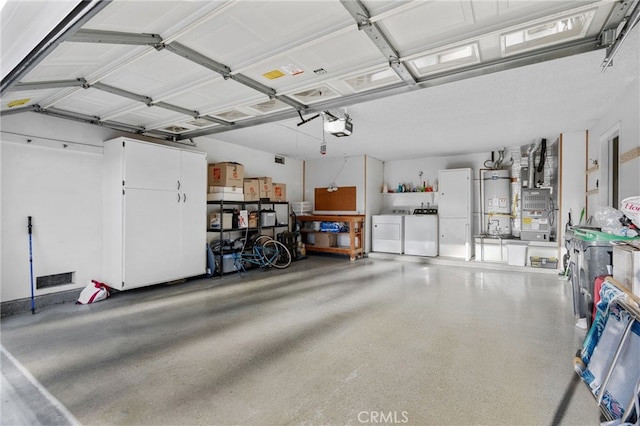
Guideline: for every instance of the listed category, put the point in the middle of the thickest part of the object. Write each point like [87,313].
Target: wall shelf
[408,193]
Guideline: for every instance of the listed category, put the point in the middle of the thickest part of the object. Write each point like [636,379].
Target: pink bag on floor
[93,292]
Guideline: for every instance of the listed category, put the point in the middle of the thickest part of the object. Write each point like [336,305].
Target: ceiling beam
[363,19]
[114,37]
[217,120]
[198,58]
[150,102]
[90,119]
[53,84]
[123,93]
[176,108]
[12,111]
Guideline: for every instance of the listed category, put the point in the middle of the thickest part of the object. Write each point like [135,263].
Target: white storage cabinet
[455,213]
[155,211]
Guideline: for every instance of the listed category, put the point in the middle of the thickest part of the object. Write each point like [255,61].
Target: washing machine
[387,234]
[421,232]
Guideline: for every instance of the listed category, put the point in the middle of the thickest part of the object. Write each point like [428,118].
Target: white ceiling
[497,100]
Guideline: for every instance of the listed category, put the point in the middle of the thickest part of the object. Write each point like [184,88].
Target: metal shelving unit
[260,205]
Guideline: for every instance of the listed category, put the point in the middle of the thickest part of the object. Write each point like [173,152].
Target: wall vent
[279,159]
[55,280]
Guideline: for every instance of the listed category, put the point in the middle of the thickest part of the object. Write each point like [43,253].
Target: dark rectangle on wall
[54,280]
[344,199]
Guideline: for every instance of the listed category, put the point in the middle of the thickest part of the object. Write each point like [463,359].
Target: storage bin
[517,254]
[290,241]
[301,207]
[267,218]
[543,262]
[226,264]
[325,240]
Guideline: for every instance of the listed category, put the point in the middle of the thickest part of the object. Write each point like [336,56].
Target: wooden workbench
[356,234]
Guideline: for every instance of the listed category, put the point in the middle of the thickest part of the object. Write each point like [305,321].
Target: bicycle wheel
[262,239]
[276,254]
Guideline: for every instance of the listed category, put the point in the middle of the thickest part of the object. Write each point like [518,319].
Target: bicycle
[264,252]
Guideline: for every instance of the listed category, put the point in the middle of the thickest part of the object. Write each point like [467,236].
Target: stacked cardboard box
[266,187]
[225,182]
[252,189]
[226,174]
[279,192]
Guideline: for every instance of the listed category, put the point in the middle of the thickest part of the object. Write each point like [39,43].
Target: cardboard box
[227,189]
[324,240]
[251,190]
[226,196]
[253,219]
[266,187]
[217,220]
[279,192]
[226,174]
[626,267]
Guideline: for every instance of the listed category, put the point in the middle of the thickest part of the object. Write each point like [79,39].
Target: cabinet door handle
[178,185]
[178,197]
[184,197]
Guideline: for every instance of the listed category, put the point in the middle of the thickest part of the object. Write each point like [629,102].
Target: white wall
[374,177]
[622,119]
[407,171]
[572,191]
[61,190]
[346,171]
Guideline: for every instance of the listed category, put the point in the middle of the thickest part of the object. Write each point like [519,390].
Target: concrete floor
[326,341]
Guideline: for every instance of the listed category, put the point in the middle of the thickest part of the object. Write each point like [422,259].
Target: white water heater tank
[497,202]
